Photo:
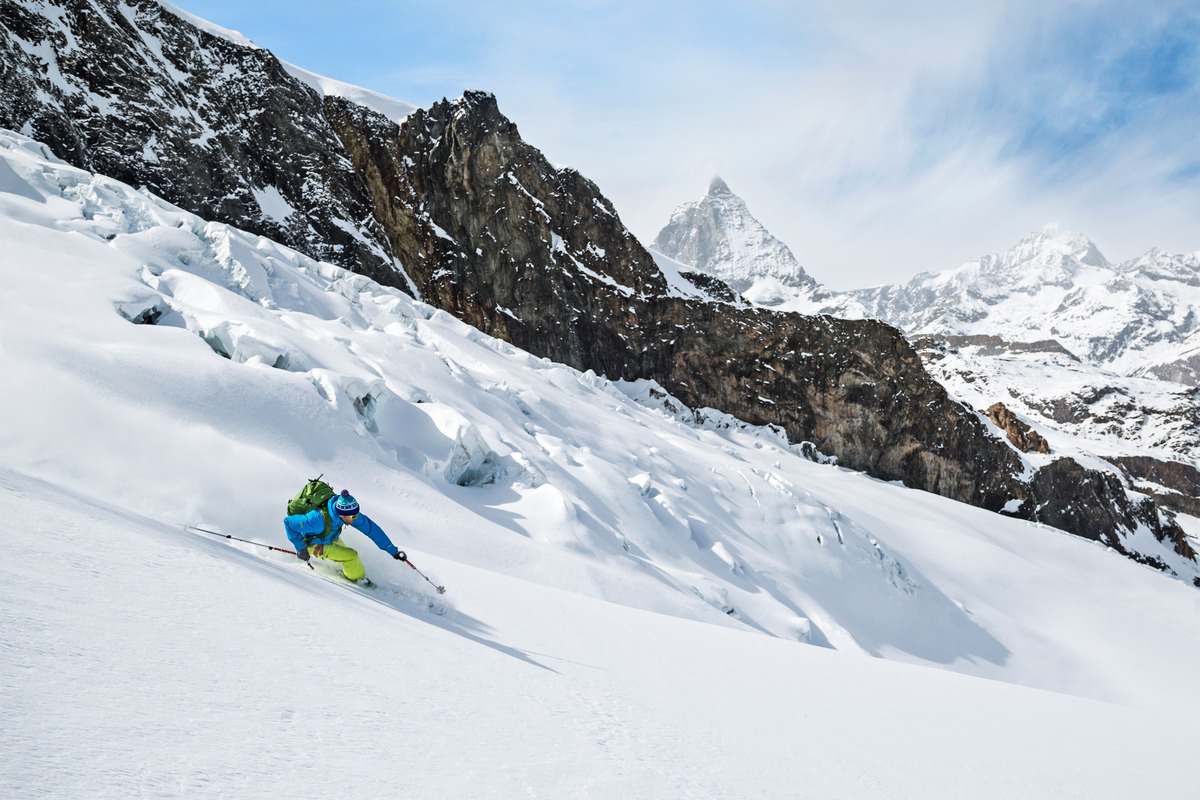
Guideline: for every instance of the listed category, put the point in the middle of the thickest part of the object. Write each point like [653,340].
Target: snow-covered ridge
[212,28]
[390,107]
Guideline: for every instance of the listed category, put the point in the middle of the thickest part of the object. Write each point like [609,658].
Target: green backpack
[313,497]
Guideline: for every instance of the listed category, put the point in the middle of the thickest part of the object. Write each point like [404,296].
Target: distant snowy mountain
[1140,317]
[719,236]
[1089,408]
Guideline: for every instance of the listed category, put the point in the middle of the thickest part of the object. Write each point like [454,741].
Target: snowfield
[644,600]
[1081,409]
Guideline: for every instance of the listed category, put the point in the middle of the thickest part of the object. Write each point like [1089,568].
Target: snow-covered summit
[718,236]
[718,186]
[1051,255]
[1138,317]
[1159,265]
[1013,293]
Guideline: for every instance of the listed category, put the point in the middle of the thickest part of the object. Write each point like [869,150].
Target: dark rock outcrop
[1022,436]
[1098,506]
[1181,480]
[992,345]
[130,90]
[715,287]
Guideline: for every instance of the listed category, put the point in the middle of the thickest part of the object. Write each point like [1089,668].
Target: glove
[400,556]
[302,554]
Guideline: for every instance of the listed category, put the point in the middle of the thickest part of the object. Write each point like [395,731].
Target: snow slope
[165,665]
[536,493]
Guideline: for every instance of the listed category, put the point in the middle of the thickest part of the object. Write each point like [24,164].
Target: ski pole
[440,589]
[247,541]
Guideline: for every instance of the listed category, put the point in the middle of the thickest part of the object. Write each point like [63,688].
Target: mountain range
[1140,317]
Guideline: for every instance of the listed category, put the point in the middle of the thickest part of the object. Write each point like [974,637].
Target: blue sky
[877,139]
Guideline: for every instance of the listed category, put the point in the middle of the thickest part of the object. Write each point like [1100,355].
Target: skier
[319,530]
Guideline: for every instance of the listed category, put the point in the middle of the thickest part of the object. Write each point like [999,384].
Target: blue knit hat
[345,505]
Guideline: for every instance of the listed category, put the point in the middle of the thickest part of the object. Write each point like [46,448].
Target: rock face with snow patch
[133,91]
[1173,484]
[1100,504]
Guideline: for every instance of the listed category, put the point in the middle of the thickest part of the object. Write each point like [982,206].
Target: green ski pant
[352,567]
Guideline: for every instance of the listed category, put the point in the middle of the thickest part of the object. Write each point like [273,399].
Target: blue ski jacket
[308,530]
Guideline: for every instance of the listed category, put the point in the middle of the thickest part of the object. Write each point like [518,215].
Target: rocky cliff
[133,91]
[489,230]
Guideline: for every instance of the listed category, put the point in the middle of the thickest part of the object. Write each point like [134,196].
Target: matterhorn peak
[717,235]
[718,186]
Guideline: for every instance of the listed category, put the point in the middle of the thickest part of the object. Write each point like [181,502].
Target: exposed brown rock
[1021,434]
